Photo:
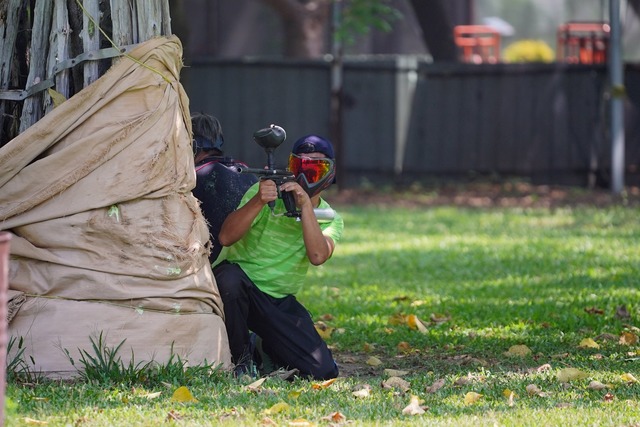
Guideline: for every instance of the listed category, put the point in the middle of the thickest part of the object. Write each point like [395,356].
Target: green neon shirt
[272,253]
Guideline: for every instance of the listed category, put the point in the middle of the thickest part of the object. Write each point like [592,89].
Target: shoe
[246,365]
[245,370]
[261,358]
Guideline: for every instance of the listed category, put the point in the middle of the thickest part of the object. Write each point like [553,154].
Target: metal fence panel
[406,119]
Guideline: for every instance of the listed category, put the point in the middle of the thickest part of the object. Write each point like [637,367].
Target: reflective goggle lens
[313,169]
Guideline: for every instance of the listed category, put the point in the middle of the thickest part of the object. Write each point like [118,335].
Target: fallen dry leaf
[255,386]
[335,418]
[414,407]
[152,395]
[323,330]
[594,310]
[173,416]
[597,385]
[543,368]
[506,392]
[570,374]
[462,381]
[183,395]
[439,318]
[629,378]
[368,347]
[471,397]
[533,390]
[520,350]
[266,421]
[396,382]
[324,384]
[395,373]
[404,347]
[628,338]
[373,361]
[588,343]
[415,323]
[510,395]
[277,408]
[436,386]
[608,397]
[363,392]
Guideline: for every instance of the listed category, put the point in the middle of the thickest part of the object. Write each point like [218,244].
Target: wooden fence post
[32,109]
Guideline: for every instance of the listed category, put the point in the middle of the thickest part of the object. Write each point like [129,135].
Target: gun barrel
[263,172]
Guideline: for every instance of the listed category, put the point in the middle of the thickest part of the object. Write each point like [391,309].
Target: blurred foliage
[528,51]
[360,16]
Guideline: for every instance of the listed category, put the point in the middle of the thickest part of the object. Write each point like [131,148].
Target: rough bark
[90,39]
[59,50]
[122,18]
[153,19]
[305,26]
[31,45]
[32,109]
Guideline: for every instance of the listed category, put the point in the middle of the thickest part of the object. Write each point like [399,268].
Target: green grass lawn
[478,281]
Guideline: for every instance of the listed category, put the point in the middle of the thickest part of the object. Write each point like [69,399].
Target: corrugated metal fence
[407,120]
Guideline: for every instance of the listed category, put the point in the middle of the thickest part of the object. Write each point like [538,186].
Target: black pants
[285,326]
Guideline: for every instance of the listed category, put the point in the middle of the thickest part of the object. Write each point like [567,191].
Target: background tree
[51,47]
[635,5]
[307,23]
[437,28]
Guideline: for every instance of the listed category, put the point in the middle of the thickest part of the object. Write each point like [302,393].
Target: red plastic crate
[583,42]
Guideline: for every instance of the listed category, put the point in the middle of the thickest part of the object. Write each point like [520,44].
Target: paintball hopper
[270,138]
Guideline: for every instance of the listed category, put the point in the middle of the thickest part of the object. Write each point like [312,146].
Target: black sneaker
[245,369]
[261,358]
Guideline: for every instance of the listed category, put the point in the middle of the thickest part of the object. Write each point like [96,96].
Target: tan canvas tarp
[107,237]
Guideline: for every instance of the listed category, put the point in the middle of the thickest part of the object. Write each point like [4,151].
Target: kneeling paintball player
[268,258]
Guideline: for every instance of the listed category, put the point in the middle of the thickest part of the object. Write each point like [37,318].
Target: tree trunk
[437,30]
[635,5]
[48,41]
[305,26]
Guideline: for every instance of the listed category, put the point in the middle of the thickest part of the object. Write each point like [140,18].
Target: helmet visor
[313,169]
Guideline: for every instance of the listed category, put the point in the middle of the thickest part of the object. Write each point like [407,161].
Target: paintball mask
[312,174]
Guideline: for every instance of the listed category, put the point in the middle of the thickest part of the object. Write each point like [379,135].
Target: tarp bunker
[107,237]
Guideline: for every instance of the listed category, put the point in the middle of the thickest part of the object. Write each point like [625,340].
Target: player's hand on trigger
[268,191]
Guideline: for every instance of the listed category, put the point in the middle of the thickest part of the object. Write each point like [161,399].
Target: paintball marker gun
[269,139]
